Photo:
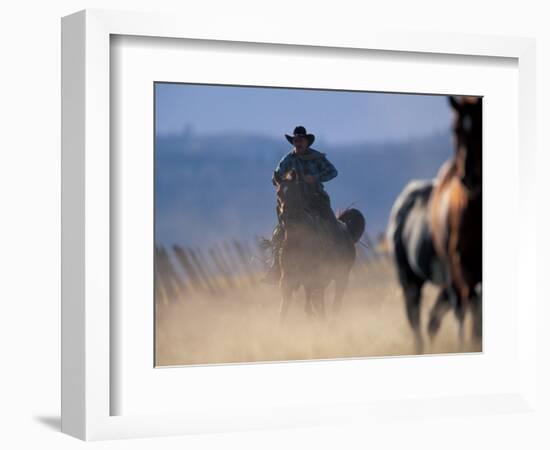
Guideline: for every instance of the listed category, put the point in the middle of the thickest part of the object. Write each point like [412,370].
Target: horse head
[467,130]
[291,200]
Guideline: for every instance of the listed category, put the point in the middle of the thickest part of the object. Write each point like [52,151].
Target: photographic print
[306,224]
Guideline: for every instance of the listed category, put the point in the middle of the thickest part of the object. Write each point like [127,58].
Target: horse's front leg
[456,300]
[477,318]
[286,298]
[308,307]
[318,301]
[340,285]
[460,314]
[459,286]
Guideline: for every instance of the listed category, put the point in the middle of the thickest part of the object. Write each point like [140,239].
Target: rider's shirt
[312,163]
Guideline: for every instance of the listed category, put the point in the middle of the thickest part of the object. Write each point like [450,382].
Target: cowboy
[312,167]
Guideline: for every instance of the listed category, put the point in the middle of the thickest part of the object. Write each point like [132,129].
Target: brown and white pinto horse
[435,227]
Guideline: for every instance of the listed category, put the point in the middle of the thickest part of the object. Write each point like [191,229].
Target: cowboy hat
[300,131]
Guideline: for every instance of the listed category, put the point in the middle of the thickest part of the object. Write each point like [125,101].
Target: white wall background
[30,221]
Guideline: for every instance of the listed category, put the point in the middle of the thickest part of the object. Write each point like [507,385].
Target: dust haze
[242,325]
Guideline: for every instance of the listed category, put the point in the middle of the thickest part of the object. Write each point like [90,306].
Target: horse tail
[404,203]
[354,221]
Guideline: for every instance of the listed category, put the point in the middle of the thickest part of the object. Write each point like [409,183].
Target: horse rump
[415,191]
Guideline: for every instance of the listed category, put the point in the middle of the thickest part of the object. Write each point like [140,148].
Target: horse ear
[454,103]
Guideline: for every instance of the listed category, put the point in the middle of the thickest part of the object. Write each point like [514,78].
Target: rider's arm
[326,170]
[284,166]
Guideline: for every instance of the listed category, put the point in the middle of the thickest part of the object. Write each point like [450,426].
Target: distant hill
[218,187]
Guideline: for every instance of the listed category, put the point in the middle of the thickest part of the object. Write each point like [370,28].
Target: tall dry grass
[243,326]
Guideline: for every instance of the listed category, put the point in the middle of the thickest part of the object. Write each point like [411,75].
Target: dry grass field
[243,326]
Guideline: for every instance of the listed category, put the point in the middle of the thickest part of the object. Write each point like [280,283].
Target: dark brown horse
[313,252]
[435,230]
[456,214]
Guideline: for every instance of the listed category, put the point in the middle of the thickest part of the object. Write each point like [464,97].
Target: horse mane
[354,221]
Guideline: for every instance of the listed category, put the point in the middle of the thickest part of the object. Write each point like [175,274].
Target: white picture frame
[88,386]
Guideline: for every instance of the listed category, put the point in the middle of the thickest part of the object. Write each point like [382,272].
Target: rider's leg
[274,272]
[326,212]
[324,205]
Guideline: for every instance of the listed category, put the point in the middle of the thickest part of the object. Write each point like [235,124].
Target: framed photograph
[227,286]
[269,228]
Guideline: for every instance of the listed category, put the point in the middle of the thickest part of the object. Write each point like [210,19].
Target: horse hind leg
[413,292]
[440,308]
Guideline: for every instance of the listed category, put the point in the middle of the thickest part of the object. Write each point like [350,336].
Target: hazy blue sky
[333,116]
[200,200]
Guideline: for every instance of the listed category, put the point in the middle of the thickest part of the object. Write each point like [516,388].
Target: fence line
[224,267]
